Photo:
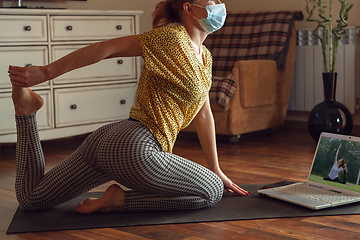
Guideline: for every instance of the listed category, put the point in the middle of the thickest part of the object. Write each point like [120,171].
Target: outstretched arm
[119,47]
[205,128]
[336,156]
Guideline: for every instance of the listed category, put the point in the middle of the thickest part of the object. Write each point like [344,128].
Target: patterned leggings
[126,152]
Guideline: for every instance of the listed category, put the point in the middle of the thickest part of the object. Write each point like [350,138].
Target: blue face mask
[216,15]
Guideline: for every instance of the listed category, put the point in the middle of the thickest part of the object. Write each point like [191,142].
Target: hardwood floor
[257,158]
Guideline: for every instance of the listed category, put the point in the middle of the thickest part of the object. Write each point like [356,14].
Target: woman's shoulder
[164,37]
[167,31]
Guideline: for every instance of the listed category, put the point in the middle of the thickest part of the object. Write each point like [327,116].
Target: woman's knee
[216,192]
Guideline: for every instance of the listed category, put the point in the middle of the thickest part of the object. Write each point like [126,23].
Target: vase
[329,116]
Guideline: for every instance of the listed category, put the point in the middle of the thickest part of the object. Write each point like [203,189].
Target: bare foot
[26,102]
[113,200]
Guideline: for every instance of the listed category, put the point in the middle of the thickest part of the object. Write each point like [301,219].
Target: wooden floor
[257,158]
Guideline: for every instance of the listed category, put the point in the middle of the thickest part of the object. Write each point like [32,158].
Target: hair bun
[167,12]
[160,4]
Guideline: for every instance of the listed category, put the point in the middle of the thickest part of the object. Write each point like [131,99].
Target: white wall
[232,5]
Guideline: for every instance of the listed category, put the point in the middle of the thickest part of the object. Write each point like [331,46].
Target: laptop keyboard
[314,193]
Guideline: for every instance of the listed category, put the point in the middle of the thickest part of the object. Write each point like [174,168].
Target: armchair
[256,51]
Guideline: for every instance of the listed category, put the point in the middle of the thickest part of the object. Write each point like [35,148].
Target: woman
[172,91]
[338,166]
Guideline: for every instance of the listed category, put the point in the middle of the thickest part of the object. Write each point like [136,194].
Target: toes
[79,208]
[85,207]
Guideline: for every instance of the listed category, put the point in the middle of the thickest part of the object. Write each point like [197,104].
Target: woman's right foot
[113,200]
[25,101]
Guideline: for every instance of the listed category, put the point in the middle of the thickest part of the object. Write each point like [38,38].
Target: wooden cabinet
[80,101]
[18,28]
[90,27]
[75,106]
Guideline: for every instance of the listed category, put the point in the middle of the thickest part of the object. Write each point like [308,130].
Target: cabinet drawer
[87,105]
[8,124]
[109,69]
[20,56]
[90,27]
[22,28]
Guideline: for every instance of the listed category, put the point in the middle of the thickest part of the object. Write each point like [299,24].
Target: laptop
[334,177]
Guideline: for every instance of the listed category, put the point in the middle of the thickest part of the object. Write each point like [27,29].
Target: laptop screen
[337,162]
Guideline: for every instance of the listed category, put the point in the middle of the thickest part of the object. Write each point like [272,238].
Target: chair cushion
[258,82]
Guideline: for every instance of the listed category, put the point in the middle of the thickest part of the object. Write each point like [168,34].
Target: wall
[233,5]
[298,5]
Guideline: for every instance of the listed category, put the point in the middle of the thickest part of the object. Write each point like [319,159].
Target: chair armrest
[257,82]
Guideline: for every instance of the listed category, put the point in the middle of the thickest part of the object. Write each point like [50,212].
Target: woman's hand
[230,186]
[27,76]
[345,168]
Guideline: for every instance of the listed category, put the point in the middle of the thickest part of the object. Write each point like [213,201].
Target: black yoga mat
[231,207]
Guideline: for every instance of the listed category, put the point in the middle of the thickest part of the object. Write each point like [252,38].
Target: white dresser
[80,101]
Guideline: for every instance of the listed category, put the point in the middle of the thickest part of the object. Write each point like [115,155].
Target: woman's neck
[196,36]
[197,40]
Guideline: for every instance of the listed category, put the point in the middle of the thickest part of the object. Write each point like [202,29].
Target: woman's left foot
[25,101]
[113,200]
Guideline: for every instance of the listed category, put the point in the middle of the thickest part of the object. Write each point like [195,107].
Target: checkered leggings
[126,152]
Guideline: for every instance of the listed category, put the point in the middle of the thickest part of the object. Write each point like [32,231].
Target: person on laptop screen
[338,166]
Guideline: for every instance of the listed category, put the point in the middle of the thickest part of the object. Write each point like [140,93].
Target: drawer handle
[119,27]
[69,28]
[28,65]
[122,102]
[120,61]
[73,107]
[27,28]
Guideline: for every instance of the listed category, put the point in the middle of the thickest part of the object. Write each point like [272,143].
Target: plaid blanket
[262,35]
[244,36]
[222,90]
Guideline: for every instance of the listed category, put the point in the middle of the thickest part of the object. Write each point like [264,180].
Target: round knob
[28,65]
[27,28]
[69,28]
[122,102]
[120,61]
[118,27]
[73,107]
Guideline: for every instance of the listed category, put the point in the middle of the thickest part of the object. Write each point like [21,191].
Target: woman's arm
[205,128]
[336,156]
[119,47]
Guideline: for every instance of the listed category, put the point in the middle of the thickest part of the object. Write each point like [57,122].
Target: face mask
[216,15]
